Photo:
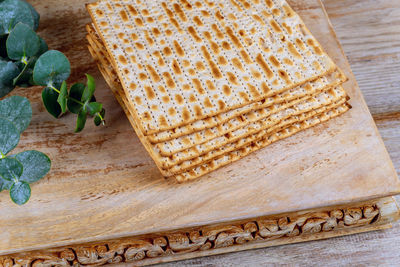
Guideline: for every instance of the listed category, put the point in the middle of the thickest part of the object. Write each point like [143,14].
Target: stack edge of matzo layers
[205,83]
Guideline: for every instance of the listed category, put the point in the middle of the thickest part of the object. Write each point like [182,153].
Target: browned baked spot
[168,80]
[185,114]
[153,73]
[233,37]
[132,10]
[265,88]
[197,111]
[142,76]
[222,61]
[244,96]
[198,86]
[138,100]
[200,66]
[214,68]
[274,61]
[146,116]
[172,111]
[123,15]
[232,78]
[122,59]
[162,120]
[165,99]
[210,85]
[246,57]
[218,33]
[253,90]
[227,90]
[132,86]
[288,11]
[167,51]
[149,92]
[186,4]
[293,50]
[207,103]
[179,99]
[236,5]
[134,37]
[275,25]
[264,66]
[236,62]
[226,45]
[194,34]
[221,105]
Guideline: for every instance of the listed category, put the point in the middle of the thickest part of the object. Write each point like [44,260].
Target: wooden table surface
[369,31]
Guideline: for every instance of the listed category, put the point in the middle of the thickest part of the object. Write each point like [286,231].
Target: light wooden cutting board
[103,185]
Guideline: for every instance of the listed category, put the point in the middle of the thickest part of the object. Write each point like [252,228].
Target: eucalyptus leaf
[89,89]
[9,136]
[10,169]
[22,42]
[20,193]
[13,12]
[76,92]
[5,185]
[49,97]
[94,107]
[81,120]
[62,97]
[42,47]
[8,71]
[52,68]
[35,165]
[97,119]
[35,15]
[18,110]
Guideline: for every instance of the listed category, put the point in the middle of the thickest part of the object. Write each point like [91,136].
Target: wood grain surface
[97,182]
[369,32]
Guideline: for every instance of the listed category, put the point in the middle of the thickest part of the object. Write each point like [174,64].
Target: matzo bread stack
[205,83]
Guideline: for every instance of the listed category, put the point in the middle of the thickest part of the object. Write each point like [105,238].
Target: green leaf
[50,97]
[8,71]
[35,15]
[100,119]
[94,107]
[81,120]
[20,193]
[35,165]
[10,169]
[13,12]
[26,73]
[5,185]
[89,89]
[9,136]
[52,68]
[18,110]
[22,42]
[62,97]
[42,47]
[76,92]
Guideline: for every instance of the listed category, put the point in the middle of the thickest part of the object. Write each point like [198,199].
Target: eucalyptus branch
[28,62]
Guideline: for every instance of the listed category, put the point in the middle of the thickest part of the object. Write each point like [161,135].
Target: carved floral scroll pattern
[205,238]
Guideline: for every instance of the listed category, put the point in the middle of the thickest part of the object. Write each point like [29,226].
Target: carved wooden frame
[214,239]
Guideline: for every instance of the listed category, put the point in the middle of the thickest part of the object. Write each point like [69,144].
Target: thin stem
[101,118]
[76,101]
[72,99]
[52,87]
